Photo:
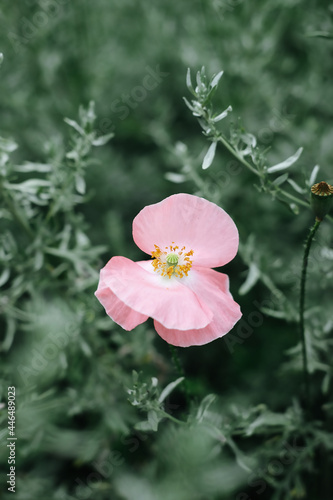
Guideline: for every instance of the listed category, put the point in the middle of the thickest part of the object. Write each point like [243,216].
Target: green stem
[248,165]
[292,197]
[173,419]
[253,170]
[308,243]
[238,156]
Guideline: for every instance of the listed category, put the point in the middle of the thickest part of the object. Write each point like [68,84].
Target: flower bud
[321,199]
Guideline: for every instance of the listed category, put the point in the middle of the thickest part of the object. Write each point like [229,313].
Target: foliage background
[78,434]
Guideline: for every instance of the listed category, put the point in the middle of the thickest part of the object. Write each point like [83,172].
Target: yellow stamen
[171,262]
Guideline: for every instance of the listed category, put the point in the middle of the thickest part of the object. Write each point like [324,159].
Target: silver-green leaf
[286,163]
[209,157]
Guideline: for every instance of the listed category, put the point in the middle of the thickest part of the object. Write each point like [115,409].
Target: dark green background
[61,54]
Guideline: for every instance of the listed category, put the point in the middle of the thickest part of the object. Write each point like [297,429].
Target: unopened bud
[321,199]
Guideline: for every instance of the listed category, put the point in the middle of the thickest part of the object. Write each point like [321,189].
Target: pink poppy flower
[190,302]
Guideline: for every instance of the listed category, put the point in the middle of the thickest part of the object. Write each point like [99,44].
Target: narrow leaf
[313,175]
[286,163]
[4,276]
[80,184]
[251,279]
[209,157]
[240,457]
[215,80]
[280,180]
[297,188]
[267,420]
[33,167]
[189,82]
[74,125]
[29,186]
[199,81]
[188,104]
[103,139]
[222,115]
[204,406]
[9,335]
[273,314]
[174,177]
[169,388]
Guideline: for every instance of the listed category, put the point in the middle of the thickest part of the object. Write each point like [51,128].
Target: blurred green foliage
[87,426]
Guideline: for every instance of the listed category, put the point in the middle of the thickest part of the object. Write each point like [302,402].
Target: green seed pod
[172,259]
[321,199]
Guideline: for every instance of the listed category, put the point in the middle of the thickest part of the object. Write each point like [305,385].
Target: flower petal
[188,221]
[121,314]
[213,288]
[167,300]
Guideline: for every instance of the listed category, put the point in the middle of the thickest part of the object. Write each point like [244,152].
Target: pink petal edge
[168,301]
[189,221]
[121,314]
[212,287]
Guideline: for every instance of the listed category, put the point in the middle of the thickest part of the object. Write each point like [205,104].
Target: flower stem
[307,247]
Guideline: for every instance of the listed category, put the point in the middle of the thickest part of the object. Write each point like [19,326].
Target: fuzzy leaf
[174,177]
[29,186]
[4,276]
[273,314]
[103,139]
[251,279]
[189,82]
[209,157]
[9,335]
[80,184]
[267,420]
[204,405]
[33,167]
[222,115]
[215,80]
[297,188]
[280,180]
[198,77]
[169,388]
[188,104]
[286,163]
[313,175]
[75,125]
